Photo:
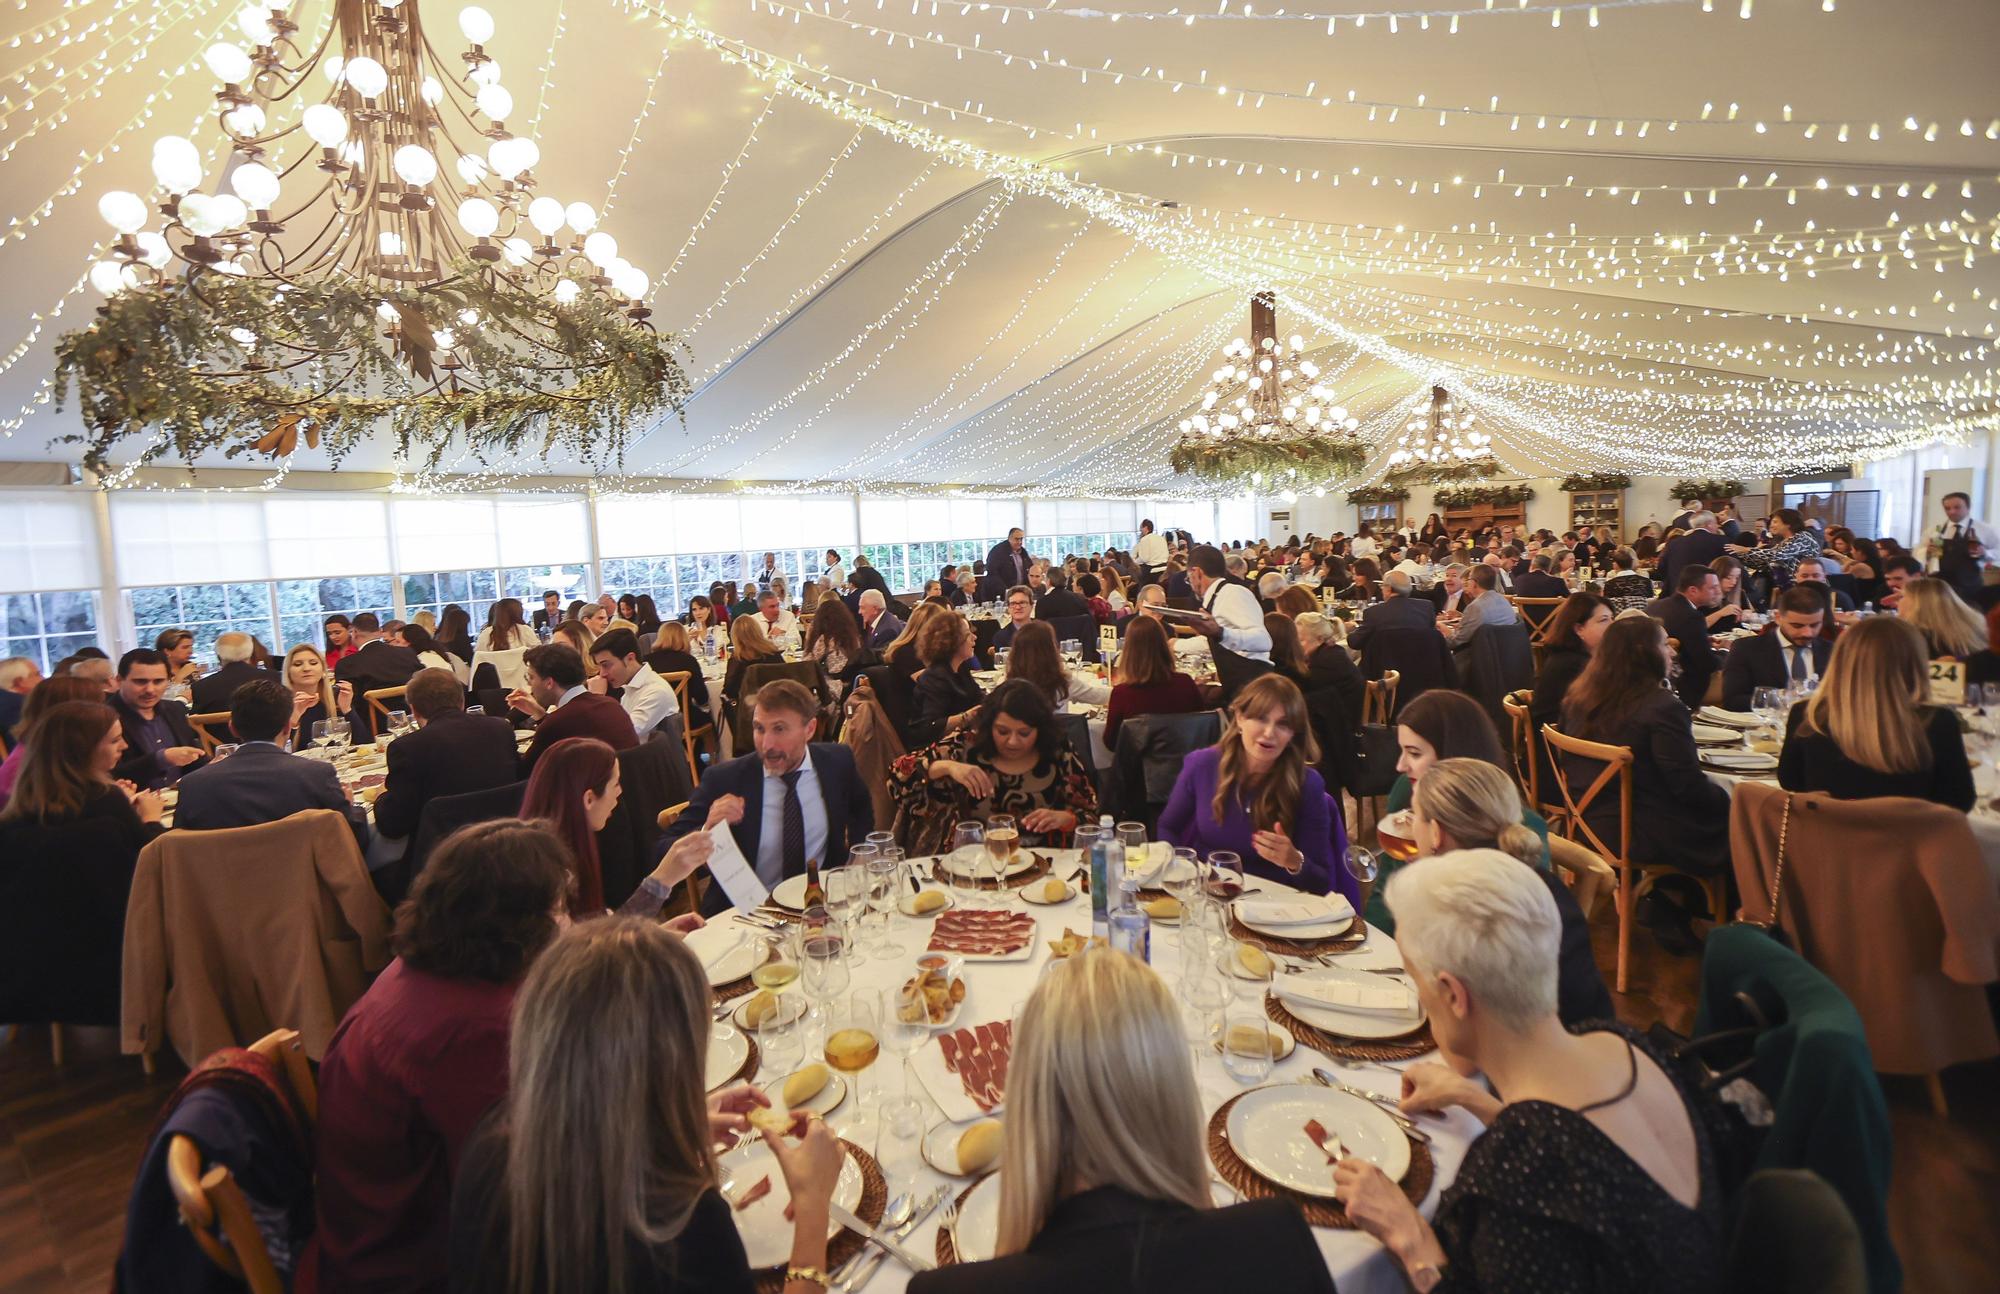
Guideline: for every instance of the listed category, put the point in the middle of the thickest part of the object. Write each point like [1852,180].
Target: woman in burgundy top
[422,1057]
[1147,682]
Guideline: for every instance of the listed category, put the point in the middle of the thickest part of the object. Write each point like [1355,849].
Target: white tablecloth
[1359,1265]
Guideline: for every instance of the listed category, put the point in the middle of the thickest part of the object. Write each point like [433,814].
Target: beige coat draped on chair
[1891,899]
[230,934]
[869,734]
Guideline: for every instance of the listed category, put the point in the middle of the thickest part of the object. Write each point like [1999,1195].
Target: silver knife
[847,1219]
[863,1269]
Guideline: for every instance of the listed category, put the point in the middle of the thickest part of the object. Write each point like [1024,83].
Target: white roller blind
[535,530]
[635,525]
[885,521]
[929,519]
[706,524]
[825,522]
[445,534]
[1043,518]
[50,542]
[314,538]
[189,538]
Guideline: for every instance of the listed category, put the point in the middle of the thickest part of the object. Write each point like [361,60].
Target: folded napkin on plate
[714,945]
[1295,910]
[1365,994]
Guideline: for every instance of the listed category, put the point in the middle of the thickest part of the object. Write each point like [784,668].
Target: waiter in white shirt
[836,574]
[1151,553]
[1231,616]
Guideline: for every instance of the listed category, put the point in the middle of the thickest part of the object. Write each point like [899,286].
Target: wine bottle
[815,894]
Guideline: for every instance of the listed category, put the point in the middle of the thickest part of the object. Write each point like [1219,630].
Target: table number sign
[1947,682]
[1107,641]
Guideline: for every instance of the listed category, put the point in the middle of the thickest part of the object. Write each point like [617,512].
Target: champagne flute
[1002,838]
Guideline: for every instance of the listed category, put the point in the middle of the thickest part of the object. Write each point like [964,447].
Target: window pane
[419,590]
[155,606]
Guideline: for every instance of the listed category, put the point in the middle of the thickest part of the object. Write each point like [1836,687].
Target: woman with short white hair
[1104,1182]
[1596,1171]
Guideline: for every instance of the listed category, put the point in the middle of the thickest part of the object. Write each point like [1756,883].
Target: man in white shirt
[779,624]
[1151,554]
[1417,565]
[1306,570]
[1232,615]
[647,697]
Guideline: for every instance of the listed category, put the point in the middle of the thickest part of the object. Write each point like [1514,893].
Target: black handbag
[1372,769]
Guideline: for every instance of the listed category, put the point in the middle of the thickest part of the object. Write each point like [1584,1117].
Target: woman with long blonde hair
[1471,804]
[1103,1178]
[1950,626]
[1256,794]
[748,645]
[315,693]
[599,1173]
[1869,729]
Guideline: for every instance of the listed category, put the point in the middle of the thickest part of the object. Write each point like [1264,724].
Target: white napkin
[1295,910]
[1366,994]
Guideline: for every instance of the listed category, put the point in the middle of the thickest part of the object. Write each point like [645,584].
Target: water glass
[846,892]
[223,752]
[1204,1004]
[885,882]
[968,846]
[880,839]
[899,1147]
[781,1040]
[1249,1062]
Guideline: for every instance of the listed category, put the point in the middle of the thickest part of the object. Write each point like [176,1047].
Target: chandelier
[368,250]
[1265,418]
[1439,444]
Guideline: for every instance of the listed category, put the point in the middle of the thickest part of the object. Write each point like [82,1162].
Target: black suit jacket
[138,765]
[1760,662]
[1003,571]
[1107,1241]
[1331,668]
[377,665]
[213,692]
[263,783]
[850,814]
[543,616]
[1058,603]
[1697,657]
[1437,593]
[1695,548]
[453,754]
[1679,817]
[1393,613]
[1539,584]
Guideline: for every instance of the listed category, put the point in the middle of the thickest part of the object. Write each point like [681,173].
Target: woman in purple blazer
[1255,793]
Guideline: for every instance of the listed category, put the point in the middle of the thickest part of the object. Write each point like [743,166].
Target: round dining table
[996,990]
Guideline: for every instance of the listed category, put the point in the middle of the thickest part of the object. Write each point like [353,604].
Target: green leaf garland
[1472,496]
[1305,459]
[1706,490]
[1378,494]
[1587,483]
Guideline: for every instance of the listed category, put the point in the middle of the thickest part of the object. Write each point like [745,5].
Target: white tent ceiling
[864,307]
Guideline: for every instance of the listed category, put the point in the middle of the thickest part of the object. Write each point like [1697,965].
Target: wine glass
[222,752]
[1132,835]
[880,839]
[968,844]
[904,1032]
[884,876]
[1769,705]
[777,968]
[853,1041]
[1225,876]
[1204,1002]
[399,722]
[342,732]
[846,891]
[823,967]
[1362,864]
[781,1040]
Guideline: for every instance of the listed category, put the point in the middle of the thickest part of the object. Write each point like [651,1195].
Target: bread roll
[1167,909]
[1245,1040]
[806,1084]
[1254,959]
[1054,891]
[979,1146]
[760,1008]
[928,901]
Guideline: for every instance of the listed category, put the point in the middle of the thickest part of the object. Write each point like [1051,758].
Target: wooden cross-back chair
[378,710]
[1527,758]
[1378,700]
[1537,629]
[213,729]
[213,1207]
[693,735]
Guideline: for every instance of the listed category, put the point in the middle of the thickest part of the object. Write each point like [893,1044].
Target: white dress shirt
[836,576]
[648,699]
[1786,652]
[1362,546]
[1151,551]
[784,631]
[1970,528]
[1241,616]
[770,860]
[1085,688]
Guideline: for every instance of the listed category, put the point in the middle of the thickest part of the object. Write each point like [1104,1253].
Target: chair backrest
[1496,660]
[213,729]
[810,673]
[1794,1235]
[651,776]
[1151,750]
[1538,613]
[1421,656]
[1235,671]
[1521,740]
[447,813]
[1082,628]
[379,707]
[679,680]
[1378,697]
[1617,761]
[1076,729]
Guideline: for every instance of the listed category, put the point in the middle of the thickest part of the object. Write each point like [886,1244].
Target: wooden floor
[71,1138]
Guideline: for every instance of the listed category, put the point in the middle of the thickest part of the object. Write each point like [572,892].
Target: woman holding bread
[1256,794]
[1103,1176]
[611,1036]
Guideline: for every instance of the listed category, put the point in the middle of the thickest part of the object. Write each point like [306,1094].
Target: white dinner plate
[1740,761]
[1032,893]
[1351,1024]
[766,1232]
[1730,718]
[903,904]
[941,1148]
[824,1102]
[1267,1130]
[1709,734]
[790,893]
[728,950]
[1300,932]
[728,1048]
[1020,861]
[790,1007]
[978,1232]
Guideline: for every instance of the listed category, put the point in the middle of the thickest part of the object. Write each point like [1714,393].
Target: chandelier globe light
[363,246]
[1266,418]
[1440,443]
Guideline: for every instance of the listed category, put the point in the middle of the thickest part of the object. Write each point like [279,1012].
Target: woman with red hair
[574,788]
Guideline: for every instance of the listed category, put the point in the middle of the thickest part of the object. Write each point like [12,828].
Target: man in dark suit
[1789,657]
[1685,614]
[263,781]
[1702,544]
[1006,565]
[1059,602]
[550,613]
[878,627]
[450,753]
[1539,581]
[212,693]
[556,695]
[789,800]
[375,663]
[160,743]
[1399,610]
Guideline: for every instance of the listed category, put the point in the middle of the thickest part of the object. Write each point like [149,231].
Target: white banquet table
[995,989]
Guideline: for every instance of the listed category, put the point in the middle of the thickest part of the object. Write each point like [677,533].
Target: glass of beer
[1002,839]
[1398,835]
[853,1041]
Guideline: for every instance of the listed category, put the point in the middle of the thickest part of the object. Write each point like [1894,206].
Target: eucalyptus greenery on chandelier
[1593,482]
[1706,490]
[1499,496]
[1266,421]
[1378,494]
[255,319]
[1438,443]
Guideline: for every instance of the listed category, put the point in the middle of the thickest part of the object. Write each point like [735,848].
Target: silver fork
[949,1221]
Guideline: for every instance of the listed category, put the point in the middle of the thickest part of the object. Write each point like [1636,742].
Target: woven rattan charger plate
[1346,941]
[1408,1046]
[1320,1212]
[947,1253]
[1035,873]
[845,1244]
